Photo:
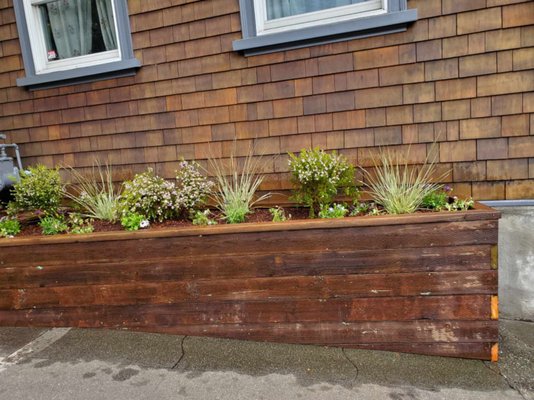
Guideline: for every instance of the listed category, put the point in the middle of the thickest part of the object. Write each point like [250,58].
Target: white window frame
[89,68]
[38,44]
[354,21]
[315,18]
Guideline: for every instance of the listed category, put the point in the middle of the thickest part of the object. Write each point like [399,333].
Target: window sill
[80,75]
[375,25]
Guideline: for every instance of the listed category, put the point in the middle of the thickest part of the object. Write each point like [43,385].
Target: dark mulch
[31,228]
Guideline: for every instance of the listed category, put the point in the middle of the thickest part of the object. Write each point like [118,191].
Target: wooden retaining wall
[420,283]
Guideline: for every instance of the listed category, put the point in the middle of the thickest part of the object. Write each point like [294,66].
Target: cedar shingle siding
[462,75]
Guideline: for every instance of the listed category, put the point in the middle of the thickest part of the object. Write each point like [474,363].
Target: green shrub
[203,218]
[319,177]
[192,188]
[53,225]
[278,214]
[235,191]
[334,211]
[39,188]
[9,227]
[397,187]
[95,194]
[149,195]
[133,221]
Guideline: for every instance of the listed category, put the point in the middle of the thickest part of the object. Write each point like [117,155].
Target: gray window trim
[126,66]
[396,20]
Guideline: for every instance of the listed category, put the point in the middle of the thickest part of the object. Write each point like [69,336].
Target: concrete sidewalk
[98,364]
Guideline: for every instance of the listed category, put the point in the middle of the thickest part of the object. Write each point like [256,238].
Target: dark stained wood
[419,283]
[285,288]
[365,238]
[471,307]
[342,334]
[452,258]
[481,212]
[478,351]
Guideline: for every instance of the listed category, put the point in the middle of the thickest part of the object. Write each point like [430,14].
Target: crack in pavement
[499,372]
[351,363]
[182,355]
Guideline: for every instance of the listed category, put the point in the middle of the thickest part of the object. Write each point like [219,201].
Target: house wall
[462,76]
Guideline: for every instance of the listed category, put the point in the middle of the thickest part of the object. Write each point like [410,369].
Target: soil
[30,227]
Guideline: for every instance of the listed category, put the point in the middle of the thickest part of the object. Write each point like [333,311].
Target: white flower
[144,224]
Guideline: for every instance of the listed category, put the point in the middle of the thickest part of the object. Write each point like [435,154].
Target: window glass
[276,25]
[285,8]
[74,28]
[69,41]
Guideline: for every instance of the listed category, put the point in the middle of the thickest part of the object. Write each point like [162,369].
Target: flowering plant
[149,195]
[158,199]
[133,221]
[319,176]
[334,211]
[193,188]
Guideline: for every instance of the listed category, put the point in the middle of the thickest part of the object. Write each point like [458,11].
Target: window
[69,41]
[272,25]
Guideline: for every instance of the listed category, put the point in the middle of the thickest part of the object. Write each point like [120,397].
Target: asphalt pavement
[77,364]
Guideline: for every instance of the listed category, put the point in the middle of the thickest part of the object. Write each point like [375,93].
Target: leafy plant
[319,177]
[460,204]
[39,188]
[398,188]
[192,188]
[9,227]
[79,225]
[95,194]
[235,194]
[149,195]
[278,214]
[203,218]
[334,211]
[133,221]
[436,200]
[53,225]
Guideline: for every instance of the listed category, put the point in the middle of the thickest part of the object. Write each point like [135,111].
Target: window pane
[75,28]
[285,8]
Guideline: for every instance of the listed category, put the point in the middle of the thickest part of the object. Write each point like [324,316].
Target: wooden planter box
[423,283]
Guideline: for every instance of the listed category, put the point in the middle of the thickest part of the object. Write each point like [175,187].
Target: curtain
[107,25]
[285,8]
[70,22]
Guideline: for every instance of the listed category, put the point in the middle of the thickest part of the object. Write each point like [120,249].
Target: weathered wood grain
[452,258]
[254,289]
[422,283]
[478,351]
[365,238]
[469,307]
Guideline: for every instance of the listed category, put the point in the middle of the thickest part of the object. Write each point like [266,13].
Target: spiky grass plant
[95,193]
[397,187]
[235,193]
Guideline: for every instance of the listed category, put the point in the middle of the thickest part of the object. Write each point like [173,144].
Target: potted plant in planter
[419,282]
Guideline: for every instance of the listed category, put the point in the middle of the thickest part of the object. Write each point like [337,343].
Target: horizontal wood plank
[477,351]
[480,212]
[366,238]
[343,334]
[453,258]
[467,307]
[254,289]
